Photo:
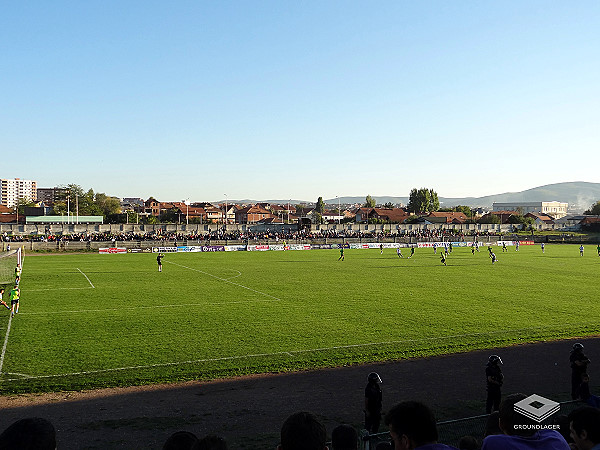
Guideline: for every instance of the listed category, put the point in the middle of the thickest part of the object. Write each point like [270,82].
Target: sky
[207,100]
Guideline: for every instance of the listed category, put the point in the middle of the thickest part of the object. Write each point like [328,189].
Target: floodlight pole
[225,218]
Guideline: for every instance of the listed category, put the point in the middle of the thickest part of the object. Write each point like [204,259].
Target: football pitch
[89,320]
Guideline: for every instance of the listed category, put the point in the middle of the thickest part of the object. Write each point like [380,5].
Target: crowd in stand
[238,235]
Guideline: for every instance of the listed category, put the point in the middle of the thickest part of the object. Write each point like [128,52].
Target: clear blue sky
[275,99]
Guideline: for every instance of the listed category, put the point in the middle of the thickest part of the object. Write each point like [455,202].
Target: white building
[13,190]
[554,209]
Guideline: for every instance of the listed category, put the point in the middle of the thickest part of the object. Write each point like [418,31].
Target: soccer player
[543,247]
[15,293]
[399,252]
[381,249]
[504,249]
[341,253]
[159,261]
[2,299]
[598,248]
[517,246]
[493,256]
[412,252]
[473,249]
[434,248]
[581,250]
[490,250]
[443,259]
[18,271]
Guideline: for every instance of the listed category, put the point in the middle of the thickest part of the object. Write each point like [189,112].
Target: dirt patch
[249,411]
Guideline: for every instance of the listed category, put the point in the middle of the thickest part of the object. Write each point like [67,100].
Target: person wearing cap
[373,403]
[494,379]
[579,363]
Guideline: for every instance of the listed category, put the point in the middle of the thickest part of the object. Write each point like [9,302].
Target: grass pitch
[90,321]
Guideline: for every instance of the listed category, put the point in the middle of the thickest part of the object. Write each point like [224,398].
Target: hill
[579,195]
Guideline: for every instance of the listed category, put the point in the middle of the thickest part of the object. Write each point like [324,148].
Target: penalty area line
[226,280]
[5,343]
[86,277]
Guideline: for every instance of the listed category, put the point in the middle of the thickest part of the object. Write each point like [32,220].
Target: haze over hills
[580,195]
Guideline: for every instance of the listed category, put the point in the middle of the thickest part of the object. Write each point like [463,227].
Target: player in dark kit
[373,403]
[579,363]
[341,254]
[159,261]
[494,379]
[443,259]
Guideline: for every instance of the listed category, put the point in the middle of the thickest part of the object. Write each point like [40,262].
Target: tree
[320,208]
[594,209]
[490,218]
[23,203]
[423,201]
[464,209]
[370,202]
[389,205]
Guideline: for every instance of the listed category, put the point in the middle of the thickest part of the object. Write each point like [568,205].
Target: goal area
[8,263]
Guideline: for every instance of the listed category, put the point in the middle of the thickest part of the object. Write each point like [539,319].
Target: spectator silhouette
[468,443]
[413,426]
[520,432]
[29,434]
[180,440]
[344,437]
[585,427]
[302,431]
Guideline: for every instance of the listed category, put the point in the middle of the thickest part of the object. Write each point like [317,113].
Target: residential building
[447,217]
[252,214]
[13,190]
[554,209]
[391,215]
[50,195]
[7,215]
[541,221]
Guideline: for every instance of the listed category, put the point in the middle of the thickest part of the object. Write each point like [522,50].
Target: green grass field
[89,320]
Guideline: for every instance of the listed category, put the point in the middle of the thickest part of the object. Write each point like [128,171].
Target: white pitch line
[5,343]
[86,277]
[226,280]
[238,275]
[257,355]
[59,288]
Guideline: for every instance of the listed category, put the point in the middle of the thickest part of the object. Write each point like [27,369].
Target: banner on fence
[300,247]
[164,249]
[139,250]
[112,250]
[258,248]
[235,248]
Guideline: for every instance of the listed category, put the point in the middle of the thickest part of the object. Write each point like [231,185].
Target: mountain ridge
[580,195]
